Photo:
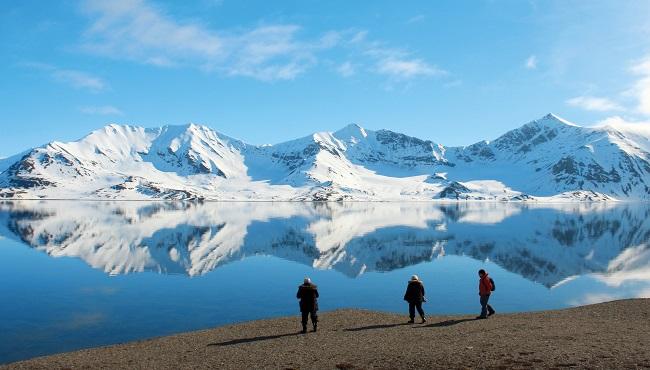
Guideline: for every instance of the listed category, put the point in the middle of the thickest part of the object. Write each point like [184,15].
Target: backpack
[494,287]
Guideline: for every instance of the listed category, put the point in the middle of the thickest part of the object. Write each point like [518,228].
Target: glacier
[545,160]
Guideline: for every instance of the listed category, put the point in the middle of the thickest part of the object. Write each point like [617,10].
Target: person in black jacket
[415,296]
[308,295]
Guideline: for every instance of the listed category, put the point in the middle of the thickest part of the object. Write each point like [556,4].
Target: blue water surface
[82,274]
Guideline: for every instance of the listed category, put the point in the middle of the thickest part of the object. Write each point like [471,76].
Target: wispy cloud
[346,69]
[79,79]
[103,110]
[139,31]
[71,77]
[400,68]
[358,37]
[633,102]
[531,62]
[416,19]
[593,103]
[399,64]
[641,89]
[272,53]
[134,29]
[618,121]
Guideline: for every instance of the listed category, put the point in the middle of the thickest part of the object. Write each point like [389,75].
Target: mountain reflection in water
[544,243]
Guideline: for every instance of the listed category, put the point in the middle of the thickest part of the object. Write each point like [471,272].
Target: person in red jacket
[484,291]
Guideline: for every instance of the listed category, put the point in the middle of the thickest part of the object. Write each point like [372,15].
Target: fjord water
[82,274]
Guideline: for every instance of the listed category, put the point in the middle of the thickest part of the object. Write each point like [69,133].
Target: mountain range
[548,159]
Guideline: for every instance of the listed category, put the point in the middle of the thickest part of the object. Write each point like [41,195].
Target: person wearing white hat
[415,296]
[308,295]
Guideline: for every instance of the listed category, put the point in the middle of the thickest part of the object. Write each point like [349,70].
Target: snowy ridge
[548,159]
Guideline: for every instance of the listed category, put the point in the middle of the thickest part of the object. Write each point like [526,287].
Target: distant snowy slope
[551,156]
[389,153]
[6,162]
[545,160]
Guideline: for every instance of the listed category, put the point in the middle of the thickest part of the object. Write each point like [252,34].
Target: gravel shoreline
[607,335]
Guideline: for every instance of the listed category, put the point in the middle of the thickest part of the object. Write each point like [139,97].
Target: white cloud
[271,53]
[104,110]
[592,103]
[331,39]
[416,19]
[75,78]
[531,62]
[627,124]
[398,64]
[359,36]
[641,89]
[407,68]
[636,98]
[79,79]
[138,31]
[346,69]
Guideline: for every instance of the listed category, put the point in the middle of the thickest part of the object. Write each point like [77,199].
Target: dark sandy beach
[607,335]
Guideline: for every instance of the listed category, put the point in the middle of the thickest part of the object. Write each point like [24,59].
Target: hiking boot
[411,321]
[491,313]
[423,320]
[315,326]
[304,329]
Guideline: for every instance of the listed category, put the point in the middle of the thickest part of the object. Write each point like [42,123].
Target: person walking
[415,296]
[485,288]
[308,296]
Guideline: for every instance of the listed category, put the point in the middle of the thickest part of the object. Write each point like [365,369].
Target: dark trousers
[485,307]
[306,314]
[413,306]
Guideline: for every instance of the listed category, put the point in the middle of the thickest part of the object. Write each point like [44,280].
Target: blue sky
[267,71]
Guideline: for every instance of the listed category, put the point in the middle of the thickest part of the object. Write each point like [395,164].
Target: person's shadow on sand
[253,339]
[432,325]
[442,324]
[371,327]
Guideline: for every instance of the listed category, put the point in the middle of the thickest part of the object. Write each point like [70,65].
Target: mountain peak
[351,131]
[552,119]
[188,127]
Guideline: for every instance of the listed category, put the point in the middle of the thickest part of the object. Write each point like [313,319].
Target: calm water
[82,274]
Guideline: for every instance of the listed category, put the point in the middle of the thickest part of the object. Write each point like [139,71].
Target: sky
[455,72]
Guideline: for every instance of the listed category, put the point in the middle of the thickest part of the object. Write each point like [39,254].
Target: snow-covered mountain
[546,159]
[553,242]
